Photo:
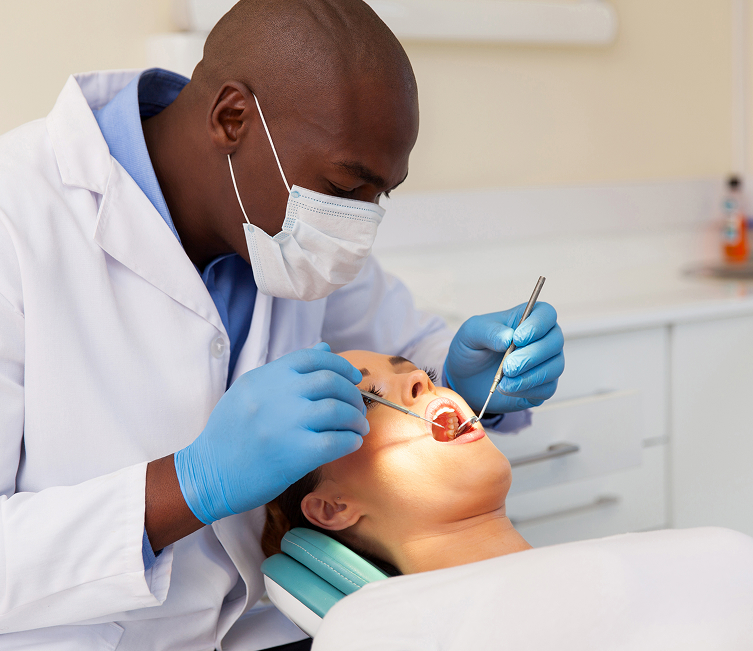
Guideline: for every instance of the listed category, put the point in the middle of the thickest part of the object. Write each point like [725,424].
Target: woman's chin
[482,480]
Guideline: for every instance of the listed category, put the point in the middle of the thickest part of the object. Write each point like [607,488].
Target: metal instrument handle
[600,502]
[552,452]
[526,313]
[384,401]
[394,405]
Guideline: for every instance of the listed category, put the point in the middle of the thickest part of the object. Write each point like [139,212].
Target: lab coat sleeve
[376,312]
[73,553]
[67,553]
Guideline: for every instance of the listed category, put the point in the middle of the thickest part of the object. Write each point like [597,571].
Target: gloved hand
[530,372]
[274,425]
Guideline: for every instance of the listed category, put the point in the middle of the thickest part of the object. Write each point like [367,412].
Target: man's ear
[327,509]
[233,108]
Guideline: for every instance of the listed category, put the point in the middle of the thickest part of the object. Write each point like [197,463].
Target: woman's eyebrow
[396,360]
[364,371]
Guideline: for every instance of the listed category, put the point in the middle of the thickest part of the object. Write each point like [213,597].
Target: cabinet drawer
[624,361]
[575,439]
[630,500]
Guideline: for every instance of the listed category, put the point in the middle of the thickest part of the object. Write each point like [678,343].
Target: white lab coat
[107,362]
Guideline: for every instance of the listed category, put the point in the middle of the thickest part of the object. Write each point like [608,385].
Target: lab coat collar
[128,226]
[131,230]
[80,149]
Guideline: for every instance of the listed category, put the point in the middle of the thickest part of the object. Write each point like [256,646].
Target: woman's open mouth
[448,416]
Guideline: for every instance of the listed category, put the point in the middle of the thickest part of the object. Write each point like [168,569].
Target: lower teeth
[453,432]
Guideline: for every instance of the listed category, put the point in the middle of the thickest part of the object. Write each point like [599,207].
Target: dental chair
[689,589]
[312,574]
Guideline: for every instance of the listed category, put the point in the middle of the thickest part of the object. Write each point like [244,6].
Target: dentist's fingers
[333,415]
[544,373]
[535,354]
[319,358]
[485,332]
[542,319]
[337,443]
[328,384]
[536,395]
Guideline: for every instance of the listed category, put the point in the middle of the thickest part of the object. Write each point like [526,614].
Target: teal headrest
[317,570]
[299,581]
[332,561]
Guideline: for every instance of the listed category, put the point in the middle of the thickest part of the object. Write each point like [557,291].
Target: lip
[473,433]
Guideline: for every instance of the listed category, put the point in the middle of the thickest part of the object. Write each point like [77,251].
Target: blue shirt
[228,278]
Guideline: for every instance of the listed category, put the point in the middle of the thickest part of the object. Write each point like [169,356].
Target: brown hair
[284,513]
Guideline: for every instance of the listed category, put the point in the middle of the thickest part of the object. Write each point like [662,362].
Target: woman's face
[407,478]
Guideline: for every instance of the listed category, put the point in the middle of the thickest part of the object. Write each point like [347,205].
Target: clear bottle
[734,230]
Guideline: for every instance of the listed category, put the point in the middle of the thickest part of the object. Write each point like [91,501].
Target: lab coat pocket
[88,637]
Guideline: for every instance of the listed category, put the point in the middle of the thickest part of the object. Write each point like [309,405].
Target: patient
[410,499]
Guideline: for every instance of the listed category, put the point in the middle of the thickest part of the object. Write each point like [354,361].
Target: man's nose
[415,386]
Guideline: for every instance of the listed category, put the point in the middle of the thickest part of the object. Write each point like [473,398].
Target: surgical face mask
[323,244]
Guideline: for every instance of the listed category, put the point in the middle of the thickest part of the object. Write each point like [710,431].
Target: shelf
[581,22]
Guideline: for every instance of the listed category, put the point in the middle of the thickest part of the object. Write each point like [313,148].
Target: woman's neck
[475,539]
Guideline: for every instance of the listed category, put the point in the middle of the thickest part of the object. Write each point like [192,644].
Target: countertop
[599,283]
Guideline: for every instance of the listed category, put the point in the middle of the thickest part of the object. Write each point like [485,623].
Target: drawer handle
[598,503]
[552,452]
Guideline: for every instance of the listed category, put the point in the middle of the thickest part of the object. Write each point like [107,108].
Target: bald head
[286,51]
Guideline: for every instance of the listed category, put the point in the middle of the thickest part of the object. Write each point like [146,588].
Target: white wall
[655,105]
[44,41]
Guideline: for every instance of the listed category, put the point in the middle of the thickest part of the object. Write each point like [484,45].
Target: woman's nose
[415,385]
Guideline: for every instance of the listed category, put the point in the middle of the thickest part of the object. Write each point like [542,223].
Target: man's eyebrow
[364,173]
[364,371]
[396,360]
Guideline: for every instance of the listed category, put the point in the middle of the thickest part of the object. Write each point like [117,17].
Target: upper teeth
[444,410]
[452,423]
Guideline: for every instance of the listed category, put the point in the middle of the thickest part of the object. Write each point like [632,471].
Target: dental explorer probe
[383,401]
[498,377]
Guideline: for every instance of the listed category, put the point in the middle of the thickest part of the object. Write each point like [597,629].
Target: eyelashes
[432,373]
[370,403]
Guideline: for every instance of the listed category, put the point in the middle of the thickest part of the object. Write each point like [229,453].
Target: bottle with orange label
[735,228]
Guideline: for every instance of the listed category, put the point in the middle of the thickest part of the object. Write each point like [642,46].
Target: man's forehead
[372,145]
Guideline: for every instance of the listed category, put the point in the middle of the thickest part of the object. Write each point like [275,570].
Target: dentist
[173,253]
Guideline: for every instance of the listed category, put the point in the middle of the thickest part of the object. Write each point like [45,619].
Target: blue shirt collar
[120,123]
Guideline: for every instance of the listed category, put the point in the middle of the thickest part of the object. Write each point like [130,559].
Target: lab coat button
[218,347]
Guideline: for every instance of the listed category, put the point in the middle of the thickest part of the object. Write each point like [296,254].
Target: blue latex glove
[274,425]
[530,372]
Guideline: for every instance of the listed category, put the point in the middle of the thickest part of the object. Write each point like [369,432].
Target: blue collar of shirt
[228,278]
[120,123]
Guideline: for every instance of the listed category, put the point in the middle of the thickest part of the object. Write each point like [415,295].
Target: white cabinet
[712,424]
[610,408]
[629,500]
[574,439]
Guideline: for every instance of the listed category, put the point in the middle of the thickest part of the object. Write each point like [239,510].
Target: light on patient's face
[406,474]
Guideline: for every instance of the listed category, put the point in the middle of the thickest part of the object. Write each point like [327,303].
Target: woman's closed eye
[370,404]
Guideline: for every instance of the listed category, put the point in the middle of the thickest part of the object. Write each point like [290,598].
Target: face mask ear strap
[274,151]
[235,185]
